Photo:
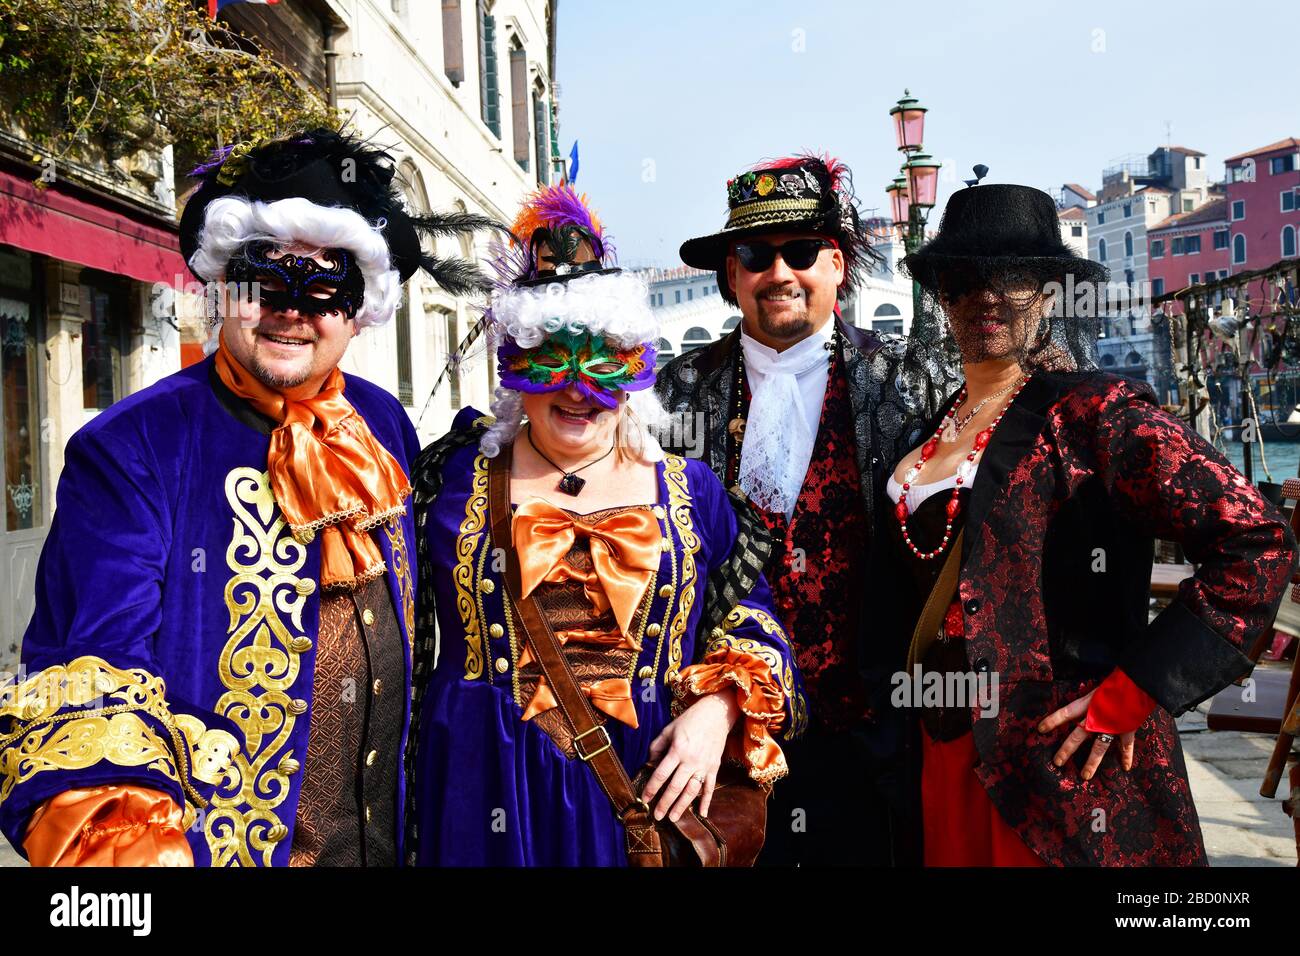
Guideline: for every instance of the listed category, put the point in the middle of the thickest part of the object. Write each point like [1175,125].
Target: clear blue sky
[670,98]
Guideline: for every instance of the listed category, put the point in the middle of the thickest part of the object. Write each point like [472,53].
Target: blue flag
[573,163]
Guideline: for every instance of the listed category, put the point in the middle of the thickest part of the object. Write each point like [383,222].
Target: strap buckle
[587,757]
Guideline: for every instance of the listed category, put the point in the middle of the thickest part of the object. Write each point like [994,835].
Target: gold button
[486,586]
[503,665]
[666,591]
[288,766]
[717,633]
[277,833]
[367,814]
[653,630]
[304,586]
[368,617]
[645,673]
[300,645]
[297,706]
[306,537]
[371,758]
[496,630]
[377,686]
[659,512]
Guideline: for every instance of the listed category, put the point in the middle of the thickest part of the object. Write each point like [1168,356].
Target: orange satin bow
[625,553]
[328,471]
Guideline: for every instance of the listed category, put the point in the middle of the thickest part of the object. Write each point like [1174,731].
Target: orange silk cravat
[328,472]
[625,553]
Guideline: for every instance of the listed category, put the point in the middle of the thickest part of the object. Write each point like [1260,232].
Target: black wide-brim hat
[783,198]
[997,231]
[322,166]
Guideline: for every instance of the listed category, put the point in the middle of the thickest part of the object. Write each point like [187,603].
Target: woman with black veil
[1030,702]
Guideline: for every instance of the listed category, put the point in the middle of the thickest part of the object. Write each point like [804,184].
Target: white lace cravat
[778,441]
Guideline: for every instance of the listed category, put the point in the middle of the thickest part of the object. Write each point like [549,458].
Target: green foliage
[111,77]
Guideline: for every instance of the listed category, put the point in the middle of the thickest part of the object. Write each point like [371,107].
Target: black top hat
[333,169]
[995,231]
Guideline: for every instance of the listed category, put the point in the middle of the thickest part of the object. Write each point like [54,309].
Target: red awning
[62,226]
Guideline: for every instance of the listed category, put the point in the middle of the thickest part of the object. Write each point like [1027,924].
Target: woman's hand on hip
[1076,712]
[689,752]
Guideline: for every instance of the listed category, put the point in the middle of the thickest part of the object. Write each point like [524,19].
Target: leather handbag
[731,835]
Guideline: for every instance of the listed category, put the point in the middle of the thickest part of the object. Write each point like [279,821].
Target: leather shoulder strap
[936,605]
[591,739]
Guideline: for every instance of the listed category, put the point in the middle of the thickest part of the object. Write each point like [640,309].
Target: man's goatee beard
[272,380]
[797,324]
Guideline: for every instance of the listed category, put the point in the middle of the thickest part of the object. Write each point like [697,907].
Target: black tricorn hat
[333,169]
[994,231]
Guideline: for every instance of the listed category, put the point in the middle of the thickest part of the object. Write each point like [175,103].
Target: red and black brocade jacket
[1081,476]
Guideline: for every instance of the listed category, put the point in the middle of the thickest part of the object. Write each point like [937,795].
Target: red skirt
[962,827]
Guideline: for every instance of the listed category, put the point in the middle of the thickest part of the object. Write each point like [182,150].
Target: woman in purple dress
[630,555]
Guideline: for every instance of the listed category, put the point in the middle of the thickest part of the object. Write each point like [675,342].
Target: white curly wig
[612,305]
[230,222]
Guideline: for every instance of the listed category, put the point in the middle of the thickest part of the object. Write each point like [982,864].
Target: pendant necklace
[953,427]
[570,484]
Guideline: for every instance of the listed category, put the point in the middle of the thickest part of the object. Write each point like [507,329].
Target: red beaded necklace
[964,471]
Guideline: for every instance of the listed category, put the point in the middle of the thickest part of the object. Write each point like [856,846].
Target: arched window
[731,323]
[1108,361]
[886,309]
[1128,244]
[1101,250]
[1134,358]
[1238,249]
[695,337]
[663,353]
[1288,242]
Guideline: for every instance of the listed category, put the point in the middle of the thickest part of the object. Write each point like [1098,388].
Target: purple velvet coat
[173,642]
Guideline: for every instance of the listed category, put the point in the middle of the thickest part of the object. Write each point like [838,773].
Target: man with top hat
[217,669]
[804,416]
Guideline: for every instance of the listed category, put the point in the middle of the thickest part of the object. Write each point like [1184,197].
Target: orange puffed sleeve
[762,706]
[108,826]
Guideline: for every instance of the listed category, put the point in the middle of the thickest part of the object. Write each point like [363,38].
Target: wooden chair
[1288,727]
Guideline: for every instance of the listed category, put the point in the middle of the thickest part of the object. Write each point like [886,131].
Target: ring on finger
[1105,738]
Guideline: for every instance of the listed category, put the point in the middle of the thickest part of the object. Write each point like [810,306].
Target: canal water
[1283,459]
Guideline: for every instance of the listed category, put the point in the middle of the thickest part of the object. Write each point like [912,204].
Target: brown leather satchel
[731,835]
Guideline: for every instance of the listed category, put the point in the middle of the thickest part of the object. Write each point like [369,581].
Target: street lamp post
[912,194]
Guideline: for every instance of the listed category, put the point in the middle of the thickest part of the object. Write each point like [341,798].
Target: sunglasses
[798,254]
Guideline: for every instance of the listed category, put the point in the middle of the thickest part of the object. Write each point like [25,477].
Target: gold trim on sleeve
[43,735]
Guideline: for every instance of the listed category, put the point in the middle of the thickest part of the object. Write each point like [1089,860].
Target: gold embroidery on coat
[467,543]
[258,666]
[45,736]
[679,509]
[402,570]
